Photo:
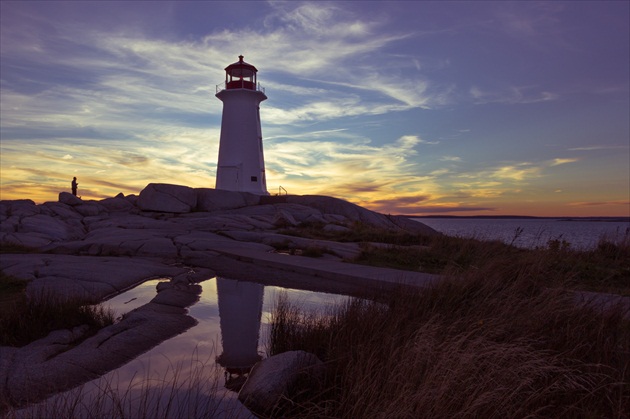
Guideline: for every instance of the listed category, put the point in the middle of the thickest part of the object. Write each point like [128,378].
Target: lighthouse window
[254,178]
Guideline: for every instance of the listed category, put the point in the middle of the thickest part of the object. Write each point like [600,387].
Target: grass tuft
[486,343]
[25,320]
[605,268]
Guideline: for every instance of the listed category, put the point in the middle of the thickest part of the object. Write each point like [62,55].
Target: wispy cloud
[535,25]
[600,147]
[447,209]
[600,203]
[559,161]
[148,102]
[511,95]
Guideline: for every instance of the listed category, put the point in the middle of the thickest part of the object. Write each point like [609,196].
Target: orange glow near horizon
[40,193]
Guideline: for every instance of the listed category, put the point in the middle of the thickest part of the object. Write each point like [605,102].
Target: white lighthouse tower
[240,311]
[241,165]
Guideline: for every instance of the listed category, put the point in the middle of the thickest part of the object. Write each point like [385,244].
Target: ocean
[579,233]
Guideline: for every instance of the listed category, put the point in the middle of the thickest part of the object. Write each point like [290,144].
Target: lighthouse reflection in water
[240,310]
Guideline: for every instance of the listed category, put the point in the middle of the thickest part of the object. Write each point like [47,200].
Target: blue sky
[457,108]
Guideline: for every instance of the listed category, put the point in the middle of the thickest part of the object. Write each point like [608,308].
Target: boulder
[330,205]
[315,218]
[162,197]
[90,209]
[19,207]
[69,199]
[160,246]
[277,378]
[61,210]
[10,224]
[218,199]
[284,219]
[177,295]
[336,228]
[132,199]
[118,203]
[45,225]
[336,218]
[301,213]
[412,226]
[33,240]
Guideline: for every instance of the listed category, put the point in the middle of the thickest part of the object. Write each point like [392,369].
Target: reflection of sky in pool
[133,298]
[192,354]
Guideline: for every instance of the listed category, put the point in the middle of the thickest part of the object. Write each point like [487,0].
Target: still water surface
[232,333]
[530,233]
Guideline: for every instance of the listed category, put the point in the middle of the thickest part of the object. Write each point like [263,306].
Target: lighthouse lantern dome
[240,75]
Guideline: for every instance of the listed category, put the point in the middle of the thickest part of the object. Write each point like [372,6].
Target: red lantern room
[240,75]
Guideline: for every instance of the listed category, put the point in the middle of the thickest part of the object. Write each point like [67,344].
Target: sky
[414,108]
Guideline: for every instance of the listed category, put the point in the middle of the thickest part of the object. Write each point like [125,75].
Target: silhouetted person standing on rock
[74,186]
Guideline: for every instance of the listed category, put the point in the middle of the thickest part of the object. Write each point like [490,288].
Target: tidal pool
[188,375]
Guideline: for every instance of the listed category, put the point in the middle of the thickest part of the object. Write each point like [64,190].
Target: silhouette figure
[74,186]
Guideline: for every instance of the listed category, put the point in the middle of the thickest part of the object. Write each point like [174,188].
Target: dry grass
[25,320]
[605,268]
[189,389]
[489,343]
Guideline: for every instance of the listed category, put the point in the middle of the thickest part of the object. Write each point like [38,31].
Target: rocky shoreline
[96,249]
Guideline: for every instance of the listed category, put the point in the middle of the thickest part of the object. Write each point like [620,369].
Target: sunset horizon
[405,108]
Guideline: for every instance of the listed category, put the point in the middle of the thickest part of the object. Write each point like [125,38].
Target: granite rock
[162,197]
[218,199]
[275,378]
[69,199]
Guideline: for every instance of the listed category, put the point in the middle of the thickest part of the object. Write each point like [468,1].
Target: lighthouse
[241,164]
[240,311]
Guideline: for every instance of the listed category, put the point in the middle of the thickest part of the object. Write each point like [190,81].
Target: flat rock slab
[56,363]
[88,278]
[343,250]
[206,241]
[368,277]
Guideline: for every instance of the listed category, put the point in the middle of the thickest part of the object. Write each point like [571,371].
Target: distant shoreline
[525,217]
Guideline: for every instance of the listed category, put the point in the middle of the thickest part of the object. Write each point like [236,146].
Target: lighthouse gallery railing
[240,84]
